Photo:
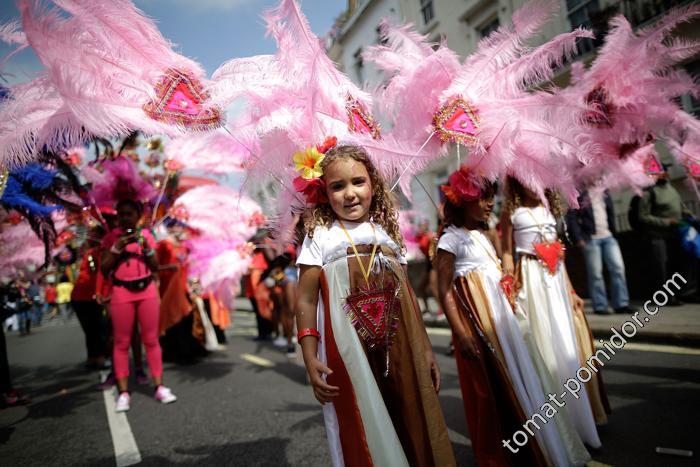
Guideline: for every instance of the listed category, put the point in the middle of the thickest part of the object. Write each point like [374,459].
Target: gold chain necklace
[365,272]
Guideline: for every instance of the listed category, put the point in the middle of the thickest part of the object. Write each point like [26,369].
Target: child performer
[549,301]
[367,353]
[500,387]
[129,259]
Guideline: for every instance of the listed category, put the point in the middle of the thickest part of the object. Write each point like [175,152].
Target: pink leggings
[123,315]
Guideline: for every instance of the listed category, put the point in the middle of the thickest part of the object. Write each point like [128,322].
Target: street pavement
[249,405]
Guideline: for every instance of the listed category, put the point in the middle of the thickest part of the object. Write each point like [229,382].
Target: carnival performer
[129,258]
[85,302]
[177,327]
[367,353]
[500,386]
[553,309]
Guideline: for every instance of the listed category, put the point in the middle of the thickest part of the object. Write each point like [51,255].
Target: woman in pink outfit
[129,260]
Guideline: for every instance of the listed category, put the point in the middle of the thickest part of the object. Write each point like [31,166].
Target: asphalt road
[249,405]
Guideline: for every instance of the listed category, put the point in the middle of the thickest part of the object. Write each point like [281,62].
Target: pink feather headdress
[632,86]
[117,180]
[484,104]
[296,100]
[225,220]
[112,72]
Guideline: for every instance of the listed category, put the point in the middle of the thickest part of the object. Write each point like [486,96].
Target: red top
[424,242]
[169,253]
[130,269]
[86,283]
[50,294]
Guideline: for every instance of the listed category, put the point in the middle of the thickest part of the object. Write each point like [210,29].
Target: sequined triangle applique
[458,122]
[359,120]
[180,100]
[374,313]
[652,166]
[693,169]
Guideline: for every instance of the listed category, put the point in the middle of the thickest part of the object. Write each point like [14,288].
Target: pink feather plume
[116,180]
[216,153]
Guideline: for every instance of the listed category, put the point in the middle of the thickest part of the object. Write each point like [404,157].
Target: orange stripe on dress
[352,430]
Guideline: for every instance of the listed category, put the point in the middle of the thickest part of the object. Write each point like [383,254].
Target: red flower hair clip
[462,187]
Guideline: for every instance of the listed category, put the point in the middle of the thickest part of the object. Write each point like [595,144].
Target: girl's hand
[124,240]
[434,369]
[323,392]
[468,347]
[508,265]
[576,301]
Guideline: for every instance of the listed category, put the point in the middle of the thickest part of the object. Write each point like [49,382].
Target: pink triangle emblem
[180,100]
[458,122]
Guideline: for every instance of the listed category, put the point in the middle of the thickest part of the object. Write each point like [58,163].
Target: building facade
[463,23]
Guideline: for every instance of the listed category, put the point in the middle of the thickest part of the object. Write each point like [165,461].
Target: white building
[463,23]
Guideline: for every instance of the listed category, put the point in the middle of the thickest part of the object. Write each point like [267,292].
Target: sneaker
[123,402]
[291,351]
[14,398]
[107,383]
[628,310]
[141,377]
[603,312]
[164,395]
[281,341]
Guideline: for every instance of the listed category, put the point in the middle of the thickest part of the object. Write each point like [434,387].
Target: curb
[652,337]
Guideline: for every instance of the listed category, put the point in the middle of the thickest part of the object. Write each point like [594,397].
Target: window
[381,40]
[359,66]
[426,9]
[692,105]
[580,13]
[489,27]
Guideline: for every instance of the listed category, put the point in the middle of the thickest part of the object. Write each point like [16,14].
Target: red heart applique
[458,122]
[549,253]
[180,100]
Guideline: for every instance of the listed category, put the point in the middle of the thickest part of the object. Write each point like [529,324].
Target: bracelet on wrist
[115,250]
[308,332]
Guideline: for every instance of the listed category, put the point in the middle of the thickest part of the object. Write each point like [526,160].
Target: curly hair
[515,192]
[381,211]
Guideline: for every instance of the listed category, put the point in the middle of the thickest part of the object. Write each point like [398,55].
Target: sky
[209,31]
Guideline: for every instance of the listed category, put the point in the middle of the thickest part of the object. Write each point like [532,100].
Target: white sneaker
[281,341]
[164,395]
[123,402]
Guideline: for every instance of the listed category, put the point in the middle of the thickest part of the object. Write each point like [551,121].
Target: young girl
[500,387]
[549,301]
[129,259]
[367,353]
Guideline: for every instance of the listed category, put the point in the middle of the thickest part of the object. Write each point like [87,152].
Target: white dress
[328,249]
[474,253]
[546,302]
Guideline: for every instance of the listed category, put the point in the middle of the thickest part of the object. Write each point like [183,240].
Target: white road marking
[255,360]
[439,331]
[126,452]
[661,348]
